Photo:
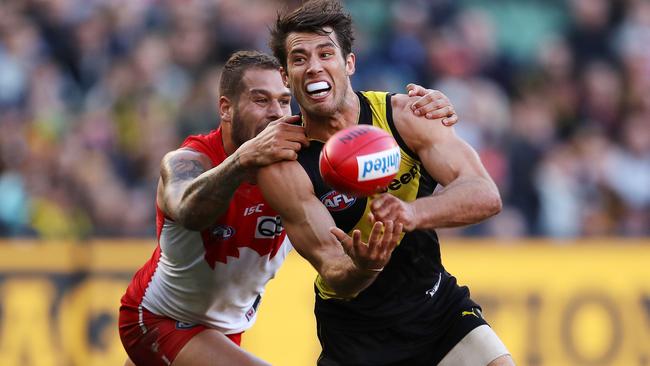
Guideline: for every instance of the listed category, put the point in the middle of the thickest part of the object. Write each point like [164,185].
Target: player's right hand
[374,255]
[280,140]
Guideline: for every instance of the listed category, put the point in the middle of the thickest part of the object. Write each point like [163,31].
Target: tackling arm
[194,193]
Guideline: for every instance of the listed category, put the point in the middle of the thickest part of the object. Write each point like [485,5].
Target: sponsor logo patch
[335,201]
[378,165]
[223,232]
[185,325]
[268,227]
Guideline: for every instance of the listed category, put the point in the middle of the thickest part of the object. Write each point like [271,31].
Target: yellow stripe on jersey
[407,181]
[404,186]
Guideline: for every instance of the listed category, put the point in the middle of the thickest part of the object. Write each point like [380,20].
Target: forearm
[345,279]
[464,201]
[208,196]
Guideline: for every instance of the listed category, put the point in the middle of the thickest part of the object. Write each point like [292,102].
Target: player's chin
[322,109]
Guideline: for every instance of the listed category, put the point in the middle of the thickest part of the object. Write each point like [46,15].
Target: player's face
[263,99]
[317,72]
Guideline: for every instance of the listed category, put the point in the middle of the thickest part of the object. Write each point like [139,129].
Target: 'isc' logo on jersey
[335,201]
[378,165]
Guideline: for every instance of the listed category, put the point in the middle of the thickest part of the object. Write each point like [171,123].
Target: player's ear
[225,109]
[349,64]
[285,77]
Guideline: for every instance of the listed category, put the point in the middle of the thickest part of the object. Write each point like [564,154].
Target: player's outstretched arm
[194,193]
[287,189]
[469,194]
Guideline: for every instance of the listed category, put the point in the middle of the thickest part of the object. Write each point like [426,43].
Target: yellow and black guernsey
[411,307]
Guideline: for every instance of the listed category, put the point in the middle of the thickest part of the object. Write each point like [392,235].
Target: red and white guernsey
[215,277]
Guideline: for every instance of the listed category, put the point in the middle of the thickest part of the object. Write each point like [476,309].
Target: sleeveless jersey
[215,277]
[414,274]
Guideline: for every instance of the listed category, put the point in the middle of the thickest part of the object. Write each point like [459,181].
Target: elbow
[493,203]
[191,221]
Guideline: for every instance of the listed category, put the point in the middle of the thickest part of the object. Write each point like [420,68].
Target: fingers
[432,104]
[282,130]
[441,111]
[376,233]
[343,238]
[292,120]
[387,207]
[450,121]
[415,90]
[383,239]
[381,207]
[371,218]
[427,97]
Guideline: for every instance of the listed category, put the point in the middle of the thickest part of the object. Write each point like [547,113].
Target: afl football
[360,160]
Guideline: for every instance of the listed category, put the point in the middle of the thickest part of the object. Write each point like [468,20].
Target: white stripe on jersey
[185,288]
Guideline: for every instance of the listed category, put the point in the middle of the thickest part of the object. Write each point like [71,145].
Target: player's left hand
[372,256]
[386,207]
[432,104]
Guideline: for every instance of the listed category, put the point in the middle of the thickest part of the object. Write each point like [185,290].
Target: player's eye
[260,100]
[298,60]
[284,102]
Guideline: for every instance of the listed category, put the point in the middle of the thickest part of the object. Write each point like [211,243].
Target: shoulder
[186,155]
[416,131]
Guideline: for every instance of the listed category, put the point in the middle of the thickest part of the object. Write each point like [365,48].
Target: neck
[322,127]
[229,146]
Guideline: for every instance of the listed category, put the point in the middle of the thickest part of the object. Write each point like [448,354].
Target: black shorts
[420,340]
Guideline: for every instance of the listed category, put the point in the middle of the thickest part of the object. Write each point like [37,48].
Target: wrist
[374,270]
[370,272]
[415,218]
[243,161]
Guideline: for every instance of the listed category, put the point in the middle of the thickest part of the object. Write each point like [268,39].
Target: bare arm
[194,193]
[347,266]
[469,194]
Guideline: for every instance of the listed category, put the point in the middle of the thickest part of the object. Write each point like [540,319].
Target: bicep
[304,217]
[443,154]
[177,171]
[447,158]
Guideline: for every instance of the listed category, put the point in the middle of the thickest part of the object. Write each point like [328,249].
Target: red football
[360,160]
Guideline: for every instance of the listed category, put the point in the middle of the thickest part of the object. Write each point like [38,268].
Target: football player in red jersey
[182,307]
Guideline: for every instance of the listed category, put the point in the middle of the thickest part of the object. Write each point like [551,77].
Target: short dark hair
[312,17]
[230,84]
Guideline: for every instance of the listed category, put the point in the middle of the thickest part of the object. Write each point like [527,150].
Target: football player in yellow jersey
[378,303]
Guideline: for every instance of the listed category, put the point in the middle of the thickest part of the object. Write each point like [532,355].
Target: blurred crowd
[554,95]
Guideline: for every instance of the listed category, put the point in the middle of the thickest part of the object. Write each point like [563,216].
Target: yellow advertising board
[553,304]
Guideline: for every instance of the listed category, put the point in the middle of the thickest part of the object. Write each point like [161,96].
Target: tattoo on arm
[185,169]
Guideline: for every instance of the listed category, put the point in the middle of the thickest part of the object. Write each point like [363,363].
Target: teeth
[320,94]
[317,86]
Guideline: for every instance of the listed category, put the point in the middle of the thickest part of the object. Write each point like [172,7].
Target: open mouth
[318,89]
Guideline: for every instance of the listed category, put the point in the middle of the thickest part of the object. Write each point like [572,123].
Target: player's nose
[274,110]
[314,65]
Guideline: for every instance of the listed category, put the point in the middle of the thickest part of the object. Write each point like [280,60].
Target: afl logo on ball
[223,232]
[335,201]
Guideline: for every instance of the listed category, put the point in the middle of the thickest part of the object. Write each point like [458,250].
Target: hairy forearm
[465,201]
[208,196]
[345,279]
